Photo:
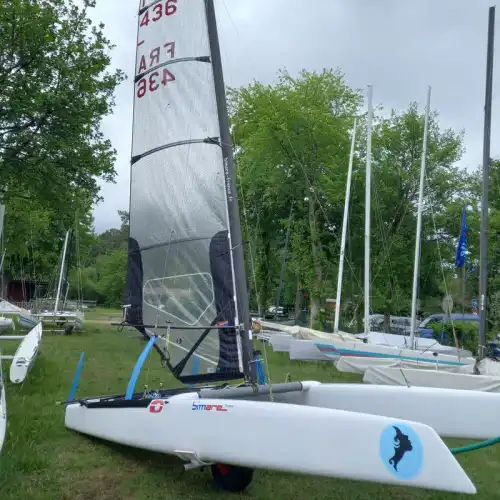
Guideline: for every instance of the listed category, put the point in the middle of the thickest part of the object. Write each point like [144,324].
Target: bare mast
[344,231]
[483,246]
[368,193]
[62,271]
[418,236]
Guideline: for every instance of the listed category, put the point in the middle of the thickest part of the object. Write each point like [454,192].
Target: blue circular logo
[401,451]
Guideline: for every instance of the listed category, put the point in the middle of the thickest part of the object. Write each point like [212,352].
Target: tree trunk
[264,291]
[299,296]
[315,293]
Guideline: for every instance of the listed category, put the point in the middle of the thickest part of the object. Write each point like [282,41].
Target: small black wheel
[68,330]
[231,477]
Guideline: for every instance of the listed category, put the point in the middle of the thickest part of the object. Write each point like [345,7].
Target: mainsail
[184,241]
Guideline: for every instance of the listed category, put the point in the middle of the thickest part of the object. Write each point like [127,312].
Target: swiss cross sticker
[156,406]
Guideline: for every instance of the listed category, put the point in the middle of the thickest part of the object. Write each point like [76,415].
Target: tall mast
[483,245]
[344,230]
[62,271]
[418,236]
[368,193]
[235,236]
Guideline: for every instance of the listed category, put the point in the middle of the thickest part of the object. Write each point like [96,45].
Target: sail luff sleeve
[179,269]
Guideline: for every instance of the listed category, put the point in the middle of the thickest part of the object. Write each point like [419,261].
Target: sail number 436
[152,81]
[157,11]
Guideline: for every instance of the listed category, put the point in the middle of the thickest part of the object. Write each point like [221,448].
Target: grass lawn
[43,460]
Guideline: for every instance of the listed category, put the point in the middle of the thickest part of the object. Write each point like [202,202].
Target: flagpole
[483,246]
[463,289]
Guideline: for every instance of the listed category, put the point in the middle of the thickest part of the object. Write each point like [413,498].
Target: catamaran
[67,320]
[420,353]
[187,295]
[484,375]
[22,361]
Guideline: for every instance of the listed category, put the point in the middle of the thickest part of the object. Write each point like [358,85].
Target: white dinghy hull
[280,342]
[25,355]
[432,378]
[430,406]
[305,350]
[273,439]
[360,364]
[363,354]
[6,323]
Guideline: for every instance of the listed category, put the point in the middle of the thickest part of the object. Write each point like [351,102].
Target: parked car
[425,328]
[398,325]
[272,312]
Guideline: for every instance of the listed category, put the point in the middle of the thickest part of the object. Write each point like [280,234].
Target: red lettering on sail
[153,84]
[150,82]
[144,19]
[158,11]
[170,49]
[141,88]
[154,57]
[167,76]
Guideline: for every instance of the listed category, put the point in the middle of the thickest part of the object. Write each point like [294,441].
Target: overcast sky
[399,46]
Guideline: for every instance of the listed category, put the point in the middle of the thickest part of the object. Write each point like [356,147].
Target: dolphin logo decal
[402,445]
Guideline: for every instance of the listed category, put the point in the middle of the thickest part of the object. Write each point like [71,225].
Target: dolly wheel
[232,478]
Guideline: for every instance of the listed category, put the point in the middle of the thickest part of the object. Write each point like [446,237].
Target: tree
[292,138]
[292,144]
[56,87]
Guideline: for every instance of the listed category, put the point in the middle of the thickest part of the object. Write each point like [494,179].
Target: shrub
[467,334]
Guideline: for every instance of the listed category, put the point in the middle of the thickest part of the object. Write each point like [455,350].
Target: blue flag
[462,242]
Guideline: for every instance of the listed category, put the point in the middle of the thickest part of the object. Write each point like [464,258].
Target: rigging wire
[444,278]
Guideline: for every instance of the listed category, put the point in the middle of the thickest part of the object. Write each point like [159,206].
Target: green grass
[43,460]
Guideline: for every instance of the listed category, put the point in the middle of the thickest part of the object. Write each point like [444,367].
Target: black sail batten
[204,59]
[185,257]
[207,140]
[148,6]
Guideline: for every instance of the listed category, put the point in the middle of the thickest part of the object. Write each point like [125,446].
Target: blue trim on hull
[336,352]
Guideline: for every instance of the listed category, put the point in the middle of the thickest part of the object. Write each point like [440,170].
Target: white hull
[25,355]
[420,404]
[27,321]
[356,364]
[63,318]
[363,447]
[432,378]
[381,338]
[409,357]
[305,350]
[280,342]
[6,323]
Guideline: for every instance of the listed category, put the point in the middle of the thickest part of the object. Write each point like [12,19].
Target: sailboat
[484,375]
[68,320]
[420,353]
[187,295]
